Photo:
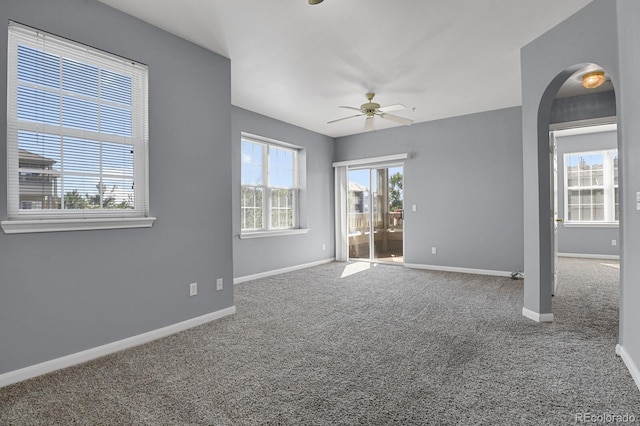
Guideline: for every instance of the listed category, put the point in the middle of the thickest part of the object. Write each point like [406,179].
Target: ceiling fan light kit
[593,79]
[372,109]
[315,1]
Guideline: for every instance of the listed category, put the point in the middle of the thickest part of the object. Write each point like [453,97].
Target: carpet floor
[361,344]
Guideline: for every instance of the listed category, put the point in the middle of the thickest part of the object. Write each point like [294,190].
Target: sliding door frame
[341,196]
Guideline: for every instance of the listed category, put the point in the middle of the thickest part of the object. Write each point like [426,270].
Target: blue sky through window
[588,159]
[252,154]
[281,168]
[361,176]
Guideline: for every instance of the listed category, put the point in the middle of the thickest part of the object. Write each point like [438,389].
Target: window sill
[591,225]
[56,225]
[263,234]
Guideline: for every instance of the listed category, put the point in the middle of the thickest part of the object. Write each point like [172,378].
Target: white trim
[585,130]
[267,147]
[456,269]
[262,139]
[590,256]
[138,140]
[55,225]
[590,224]
[263,234]
[536,316]
[99,351]
[265,274]
[97,54]
[386,165]
[633,368]
[341,216]
[384,158]
[588,123]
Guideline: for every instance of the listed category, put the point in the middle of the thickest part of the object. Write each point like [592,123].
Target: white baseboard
[456,269]
[97,352]
[591,256]
[633,368]
[265,274]
[536,316]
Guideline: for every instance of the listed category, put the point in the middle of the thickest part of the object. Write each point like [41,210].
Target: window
[269,186]
[76,136]
[591,187]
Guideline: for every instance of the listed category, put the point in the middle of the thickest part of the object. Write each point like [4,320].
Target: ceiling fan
[371,109]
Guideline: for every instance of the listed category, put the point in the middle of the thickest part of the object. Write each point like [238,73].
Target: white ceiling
[297,63]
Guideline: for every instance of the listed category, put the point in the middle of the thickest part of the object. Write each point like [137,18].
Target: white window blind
[77,130]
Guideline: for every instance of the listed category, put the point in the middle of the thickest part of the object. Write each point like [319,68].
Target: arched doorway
[602,33]
[580,107]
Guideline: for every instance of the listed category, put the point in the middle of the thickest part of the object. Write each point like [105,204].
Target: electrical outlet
[193,289]
[434,250]
[614,242]
[219,284]
[324,247]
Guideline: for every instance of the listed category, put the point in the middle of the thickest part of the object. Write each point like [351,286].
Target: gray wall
[464,175]
[606,33]
[589,36]
[65,292]
[628,12]
[584,240]
[584,107]
[258,255]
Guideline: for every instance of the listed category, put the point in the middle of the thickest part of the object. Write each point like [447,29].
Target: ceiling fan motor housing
[369,108]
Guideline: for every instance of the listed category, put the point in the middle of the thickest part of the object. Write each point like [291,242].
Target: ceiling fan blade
[400,120]
[349,107]
[368,124]
[389,108]
[344,118]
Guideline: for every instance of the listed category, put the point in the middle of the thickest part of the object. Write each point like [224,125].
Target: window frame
[21,220]
[609,187]
[267,189]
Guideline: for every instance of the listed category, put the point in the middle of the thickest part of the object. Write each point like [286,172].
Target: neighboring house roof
[30,157]
[356,187]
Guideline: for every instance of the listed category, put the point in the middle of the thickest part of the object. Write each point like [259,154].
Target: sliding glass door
[375,214]
[359,216]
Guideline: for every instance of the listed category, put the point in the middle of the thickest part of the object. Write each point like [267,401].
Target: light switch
[414,208]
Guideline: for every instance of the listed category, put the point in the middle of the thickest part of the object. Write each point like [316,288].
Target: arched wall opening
[545,193]
[603,32]
[588,37]
[573,109]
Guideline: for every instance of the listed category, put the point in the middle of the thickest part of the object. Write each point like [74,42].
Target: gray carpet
[385,345]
